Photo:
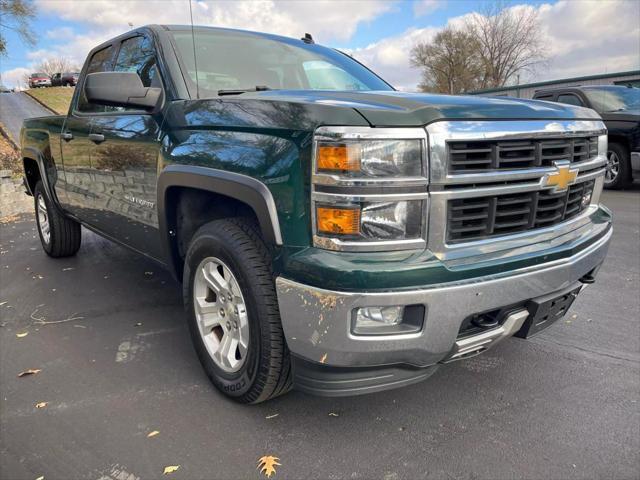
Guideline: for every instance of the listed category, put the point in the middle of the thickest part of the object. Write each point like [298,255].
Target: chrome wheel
[43,219]
[221,314]
[612,168]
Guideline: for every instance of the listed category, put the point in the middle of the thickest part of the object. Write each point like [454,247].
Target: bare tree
[50,66]
[450,63]
[16,15]
[510,42]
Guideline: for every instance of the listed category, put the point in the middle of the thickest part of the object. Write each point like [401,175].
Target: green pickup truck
[331,233]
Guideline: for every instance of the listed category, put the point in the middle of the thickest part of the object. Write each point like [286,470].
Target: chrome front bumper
[317,322]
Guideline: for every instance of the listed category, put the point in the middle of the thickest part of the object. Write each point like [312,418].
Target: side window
[101,61]
[137,55]
[547,98]
[570,99]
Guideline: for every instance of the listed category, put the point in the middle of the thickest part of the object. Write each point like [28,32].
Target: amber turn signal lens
[341,221]
[342,158]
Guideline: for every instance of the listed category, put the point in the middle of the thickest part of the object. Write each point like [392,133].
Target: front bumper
[317,322]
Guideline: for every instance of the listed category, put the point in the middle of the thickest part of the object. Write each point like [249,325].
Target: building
[527,90]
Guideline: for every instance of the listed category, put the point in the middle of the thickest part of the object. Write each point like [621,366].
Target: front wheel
[233,315]
[618,167]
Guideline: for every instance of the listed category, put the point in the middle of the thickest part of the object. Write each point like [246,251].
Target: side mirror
[121,89]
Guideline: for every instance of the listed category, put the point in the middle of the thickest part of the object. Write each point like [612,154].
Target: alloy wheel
[43,219]
[221,314]
[612,168]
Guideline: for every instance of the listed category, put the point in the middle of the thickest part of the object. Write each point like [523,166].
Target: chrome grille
[477,218]
[484,155]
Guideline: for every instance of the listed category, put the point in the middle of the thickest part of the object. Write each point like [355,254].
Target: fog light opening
[388,320]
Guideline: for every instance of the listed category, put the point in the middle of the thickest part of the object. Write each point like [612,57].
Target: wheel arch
[245,191]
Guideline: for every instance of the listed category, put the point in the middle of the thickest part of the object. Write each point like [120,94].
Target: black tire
[623,177]
[65,234]
[266,371]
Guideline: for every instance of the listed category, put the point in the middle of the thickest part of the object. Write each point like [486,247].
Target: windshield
[228,60]
[614,98]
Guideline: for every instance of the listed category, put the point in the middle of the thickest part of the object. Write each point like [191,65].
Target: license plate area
[545,311]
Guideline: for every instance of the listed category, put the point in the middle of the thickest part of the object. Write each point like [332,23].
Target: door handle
[67,136]
[96,137]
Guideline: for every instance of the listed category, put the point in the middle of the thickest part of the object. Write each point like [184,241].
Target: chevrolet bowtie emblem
[561,179]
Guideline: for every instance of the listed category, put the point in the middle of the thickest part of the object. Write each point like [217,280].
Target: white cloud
[325,19]
[59,33]
[424,7]
[389,57]
[15,77]
[583,38]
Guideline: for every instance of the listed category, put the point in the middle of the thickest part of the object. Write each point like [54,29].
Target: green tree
[16,15]
[450,63]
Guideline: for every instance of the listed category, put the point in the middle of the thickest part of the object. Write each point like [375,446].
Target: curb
[6,135]
[40,102]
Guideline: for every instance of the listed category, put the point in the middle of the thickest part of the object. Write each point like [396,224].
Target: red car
[39,80]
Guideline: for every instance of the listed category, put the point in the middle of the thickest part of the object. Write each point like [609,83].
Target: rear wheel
[618,167]
[233,315]
[60,236]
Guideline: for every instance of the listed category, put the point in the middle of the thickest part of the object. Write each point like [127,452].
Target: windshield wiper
[240,91]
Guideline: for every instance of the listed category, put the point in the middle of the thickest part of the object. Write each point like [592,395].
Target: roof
[560,80]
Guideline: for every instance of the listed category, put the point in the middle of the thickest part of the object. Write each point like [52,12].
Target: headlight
[371,158]
[370,220]
[369,188]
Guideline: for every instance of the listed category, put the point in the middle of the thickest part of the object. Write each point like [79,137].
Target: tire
[618,168]
[60,236]
[256,367]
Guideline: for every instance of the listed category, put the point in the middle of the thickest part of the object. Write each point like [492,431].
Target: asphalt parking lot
[107,332]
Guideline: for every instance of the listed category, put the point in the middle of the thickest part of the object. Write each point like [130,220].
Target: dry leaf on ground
[267,465]
[31,371]
[153,434]
[22,335]
[272,416]
[170,469]
[41,404]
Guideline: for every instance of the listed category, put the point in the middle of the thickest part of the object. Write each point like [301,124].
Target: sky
[583,37]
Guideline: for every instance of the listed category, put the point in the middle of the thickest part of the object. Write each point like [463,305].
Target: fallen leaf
[40,478]
[67,269]
[148,274]
[323,359]
[22,335]
[170,469]
[153,434]
[272,416]
[3,303]
[139,324]
[41,404]
[267,465]
[331,414]
[31,371]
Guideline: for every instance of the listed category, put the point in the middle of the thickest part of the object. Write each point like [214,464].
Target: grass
[9,158]
[56,98]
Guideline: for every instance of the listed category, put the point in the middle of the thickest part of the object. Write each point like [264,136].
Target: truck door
[124,158]
[76,145]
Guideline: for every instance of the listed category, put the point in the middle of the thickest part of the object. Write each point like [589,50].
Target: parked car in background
[4,89]
[67,79]
[619,107]
[37,80]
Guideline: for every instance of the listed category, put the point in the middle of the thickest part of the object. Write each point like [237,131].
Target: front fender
[234,185]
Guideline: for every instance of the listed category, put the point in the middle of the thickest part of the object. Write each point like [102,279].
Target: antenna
[195,60]
[307,38]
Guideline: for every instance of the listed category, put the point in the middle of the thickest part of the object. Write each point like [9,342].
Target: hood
[391,108]
[622,116]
